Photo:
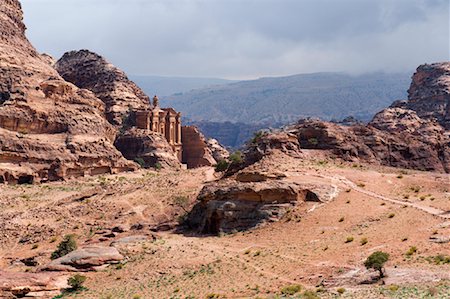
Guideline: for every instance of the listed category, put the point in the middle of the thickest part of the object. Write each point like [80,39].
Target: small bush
[364,241]
[222,165]
[391,215]
[341,219]
[140,161]
[393,288]
[376,261]
[291,289]
[136,296]
[257,137]
[349,239]
[158,166]
[341,291]
[236,157]
[411,251]
[67,245]
[76,282]
[310,295]
[361,185]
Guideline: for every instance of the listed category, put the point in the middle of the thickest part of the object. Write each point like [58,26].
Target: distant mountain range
[164,86]
[229,111]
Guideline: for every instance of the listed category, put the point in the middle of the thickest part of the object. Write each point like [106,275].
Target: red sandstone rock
[49,129]
[89,70]
[147,148]
[196,152]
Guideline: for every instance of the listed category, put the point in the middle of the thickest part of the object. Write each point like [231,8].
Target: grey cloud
[245,38]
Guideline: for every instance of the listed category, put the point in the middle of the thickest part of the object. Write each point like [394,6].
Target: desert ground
[320,246]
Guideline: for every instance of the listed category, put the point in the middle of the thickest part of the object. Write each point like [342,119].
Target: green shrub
[257,137]
[222,165]
[291,289]
[341,291]
[157,166]
[67,245]
[236,157]
[140,161]
[310,295]
[349,239]
[364,241]
[411,251]
[393,288]
[76,282]
[376,261]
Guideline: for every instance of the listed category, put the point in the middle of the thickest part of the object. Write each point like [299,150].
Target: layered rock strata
[49,128]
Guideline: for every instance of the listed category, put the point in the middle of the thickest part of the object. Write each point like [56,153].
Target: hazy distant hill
[285,99]
[163,86]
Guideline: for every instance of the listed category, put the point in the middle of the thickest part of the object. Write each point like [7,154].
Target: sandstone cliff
[122,98]
[89,70]
[196,152]
[49,129]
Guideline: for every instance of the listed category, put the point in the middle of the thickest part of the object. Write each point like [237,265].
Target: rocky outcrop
[49,128]
[91,71]
[149,149]
[86,259]
[219,152]
[429,94]
[410,134]
[263,144]
[250,200]
[31,285]
[196,152]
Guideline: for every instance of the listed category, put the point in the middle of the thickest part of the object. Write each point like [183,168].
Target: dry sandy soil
[391,208]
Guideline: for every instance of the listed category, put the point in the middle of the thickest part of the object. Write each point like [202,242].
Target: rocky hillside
[409,134]
[89,70]
[49,128]
[286,99]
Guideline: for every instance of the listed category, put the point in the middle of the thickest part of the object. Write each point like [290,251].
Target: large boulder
[49,128]
[150,149]
[229,205]
[86,259]
[219,152]
[31,285]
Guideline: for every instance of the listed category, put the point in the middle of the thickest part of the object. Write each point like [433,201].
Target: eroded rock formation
[49,128]
[244,202]
[196,152]
[91,258]
[410,134]
[147,149]
[91,71]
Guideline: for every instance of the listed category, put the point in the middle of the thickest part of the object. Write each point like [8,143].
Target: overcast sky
[240,39]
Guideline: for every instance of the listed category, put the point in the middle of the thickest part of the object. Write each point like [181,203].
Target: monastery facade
[162,120]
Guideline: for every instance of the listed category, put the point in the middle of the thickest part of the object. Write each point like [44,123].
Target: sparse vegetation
[341,219]
[67,245]
[236,157]
[411,251]
[364,241]
[439,259]
[391,215]
[291,289]
[140,161]
[341,291]
[376,261]
[222,165]
[349,239]
[76,282]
